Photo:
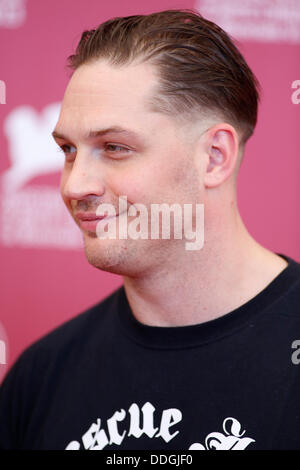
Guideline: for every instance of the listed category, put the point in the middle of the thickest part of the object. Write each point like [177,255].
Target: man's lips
[89,220]
[89,216]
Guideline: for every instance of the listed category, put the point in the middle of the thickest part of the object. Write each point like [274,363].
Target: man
[195,350]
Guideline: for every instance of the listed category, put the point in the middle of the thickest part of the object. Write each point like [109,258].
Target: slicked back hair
[200,70]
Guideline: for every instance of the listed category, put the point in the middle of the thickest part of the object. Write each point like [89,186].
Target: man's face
[153,161]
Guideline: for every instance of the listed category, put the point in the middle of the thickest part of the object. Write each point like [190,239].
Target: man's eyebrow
[98,133]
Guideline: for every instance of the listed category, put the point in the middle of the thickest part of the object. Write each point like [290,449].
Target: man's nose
[82,180]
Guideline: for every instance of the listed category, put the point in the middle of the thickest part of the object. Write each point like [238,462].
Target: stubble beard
[107,255]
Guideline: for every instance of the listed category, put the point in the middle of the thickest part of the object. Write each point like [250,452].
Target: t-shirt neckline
[180,337]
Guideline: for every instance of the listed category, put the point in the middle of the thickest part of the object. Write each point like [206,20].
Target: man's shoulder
[73,333]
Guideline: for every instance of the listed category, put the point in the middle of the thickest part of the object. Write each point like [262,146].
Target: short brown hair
[200,68]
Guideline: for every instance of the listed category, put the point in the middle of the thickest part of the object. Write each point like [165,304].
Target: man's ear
[221,148]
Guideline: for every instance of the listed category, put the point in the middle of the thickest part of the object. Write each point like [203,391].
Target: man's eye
[114,148]
[66,148]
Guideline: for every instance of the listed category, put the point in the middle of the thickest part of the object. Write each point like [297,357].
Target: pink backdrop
[45,278]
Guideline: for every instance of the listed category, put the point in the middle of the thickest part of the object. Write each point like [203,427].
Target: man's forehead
[100,82]
[98,120]
[101,96]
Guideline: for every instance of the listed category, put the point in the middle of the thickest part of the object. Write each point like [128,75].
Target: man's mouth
[89,220]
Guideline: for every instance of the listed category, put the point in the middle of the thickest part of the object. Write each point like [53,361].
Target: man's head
[179,86]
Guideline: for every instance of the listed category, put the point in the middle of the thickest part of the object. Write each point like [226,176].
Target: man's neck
[201,286]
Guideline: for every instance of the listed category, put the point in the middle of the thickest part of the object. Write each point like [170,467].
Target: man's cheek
[135,189]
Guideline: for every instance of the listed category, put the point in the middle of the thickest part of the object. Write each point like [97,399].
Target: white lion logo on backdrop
[31,148]
[34,214]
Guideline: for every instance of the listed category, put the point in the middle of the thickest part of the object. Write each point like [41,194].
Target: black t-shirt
[103,380]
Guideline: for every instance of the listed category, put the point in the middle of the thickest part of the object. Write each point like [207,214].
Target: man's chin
[107,255]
